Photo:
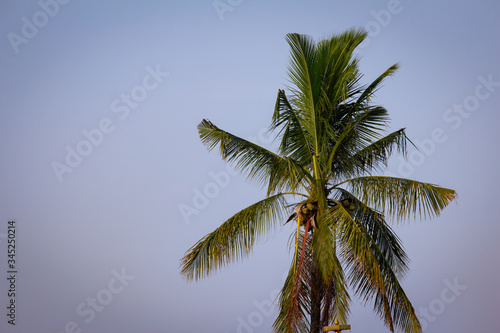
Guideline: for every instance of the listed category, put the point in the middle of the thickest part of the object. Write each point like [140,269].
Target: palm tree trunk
[316,298]
[315,313]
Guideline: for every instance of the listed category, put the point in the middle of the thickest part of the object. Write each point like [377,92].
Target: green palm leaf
[373,87]
[359,129]
[372,157]
[377,228]
[302,57]
[401,198]
[371,274]
[296,142]
[234,239]
[259,164]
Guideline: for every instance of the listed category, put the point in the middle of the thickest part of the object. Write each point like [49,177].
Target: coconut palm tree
[333,141]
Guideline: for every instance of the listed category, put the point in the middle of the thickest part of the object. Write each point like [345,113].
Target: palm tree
[332,142]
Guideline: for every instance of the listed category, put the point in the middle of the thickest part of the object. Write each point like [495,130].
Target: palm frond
[258,163]
[337,69]
[368,124]
[294,296]
[372,157]
[234,239]
[296,143]
[373,87]
[360,128]
[371,274]
[379,231]
[401,198]
[302,57]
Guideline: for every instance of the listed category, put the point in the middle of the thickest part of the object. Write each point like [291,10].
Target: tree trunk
[316,297]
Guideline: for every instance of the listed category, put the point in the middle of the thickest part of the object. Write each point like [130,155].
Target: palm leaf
[294,295]
[377,228]
[259,164]
[373,87]
[360,129]
[302,57]
[401,198]
[372,157]
[337,69]
[234,239]
[296,142]
[371,274]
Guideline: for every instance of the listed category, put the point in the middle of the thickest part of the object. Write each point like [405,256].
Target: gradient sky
[138,76]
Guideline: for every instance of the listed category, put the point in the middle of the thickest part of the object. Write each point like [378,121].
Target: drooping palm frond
[401,198]
[371,275]
[234,239]
[259,164]
[294,296]
[377,228]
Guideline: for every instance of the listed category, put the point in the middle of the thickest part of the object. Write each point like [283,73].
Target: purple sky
[104,173]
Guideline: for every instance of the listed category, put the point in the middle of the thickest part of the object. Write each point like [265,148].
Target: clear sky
[103,171]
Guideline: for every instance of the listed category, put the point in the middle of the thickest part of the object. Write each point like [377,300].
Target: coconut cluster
[349,204]
[306,212]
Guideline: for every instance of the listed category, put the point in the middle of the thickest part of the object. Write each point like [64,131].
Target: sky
[107,183]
